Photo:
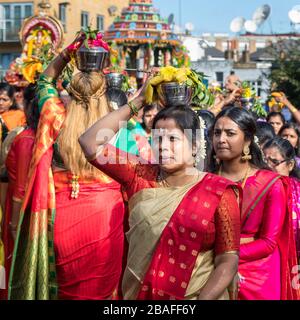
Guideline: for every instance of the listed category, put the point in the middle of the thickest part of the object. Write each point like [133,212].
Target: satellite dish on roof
[296,8]
[171,19]
[250,26]
[294,15]
[261,14]
[237,24]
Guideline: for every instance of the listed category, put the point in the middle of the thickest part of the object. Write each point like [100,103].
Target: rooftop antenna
[180,13]
[189,28]
[171,21]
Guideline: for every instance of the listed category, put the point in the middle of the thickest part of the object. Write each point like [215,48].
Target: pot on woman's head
[91,59]
[115,80]
[175,94]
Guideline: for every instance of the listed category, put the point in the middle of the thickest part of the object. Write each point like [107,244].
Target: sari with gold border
[151,210]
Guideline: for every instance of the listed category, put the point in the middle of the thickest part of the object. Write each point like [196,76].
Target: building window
[84,19]
[257,85]
[5,60]
[12,19]
[63,15]
[100,23]
[220,78]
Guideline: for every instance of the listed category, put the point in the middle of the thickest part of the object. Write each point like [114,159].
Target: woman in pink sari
[184,224]
[280,156]
[267,251]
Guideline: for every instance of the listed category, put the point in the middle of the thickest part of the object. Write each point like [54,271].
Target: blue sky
[216,15]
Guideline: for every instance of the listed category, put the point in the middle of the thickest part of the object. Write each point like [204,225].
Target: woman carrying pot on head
[267,251]
[280,156]
[75,210]
[184,224]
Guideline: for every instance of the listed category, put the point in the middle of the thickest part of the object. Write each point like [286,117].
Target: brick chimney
[252,45]
[229,51]
[219,44]
[246,55]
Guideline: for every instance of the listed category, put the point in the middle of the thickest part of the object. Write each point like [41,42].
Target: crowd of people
[95,210]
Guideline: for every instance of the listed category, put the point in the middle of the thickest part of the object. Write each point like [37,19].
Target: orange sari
[13,119]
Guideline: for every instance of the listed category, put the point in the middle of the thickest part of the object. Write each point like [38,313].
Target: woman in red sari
[184,224]
[70,239]
[17,165]
[281,157]
[267,251]
[10,118]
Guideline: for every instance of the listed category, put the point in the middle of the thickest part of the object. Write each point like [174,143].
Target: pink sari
[267,252]
[295,192]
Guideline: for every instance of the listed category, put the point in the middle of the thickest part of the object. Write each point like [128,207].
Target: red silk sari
[17,164]
[202,222]
[183,239]
[267,259]
[66,248]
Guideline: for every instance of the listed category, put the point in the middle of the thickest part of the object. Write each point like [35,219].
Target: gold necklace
[244,179]
[164,183]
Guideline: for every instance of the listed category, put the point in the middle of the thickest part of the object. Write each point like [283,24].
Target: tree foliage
[285,72]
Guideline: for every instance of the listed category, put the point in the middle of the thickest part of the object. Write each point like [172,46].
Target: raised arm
[294,111]
[57,65]
[47,81]
[105,129]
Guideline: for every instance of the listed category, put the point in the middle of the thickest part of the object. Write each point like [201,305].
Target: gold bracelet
[134,111]
[293,109]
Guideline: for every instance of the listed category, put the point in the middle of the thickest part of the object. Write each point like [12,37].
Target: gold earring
[218,161]
[246,156]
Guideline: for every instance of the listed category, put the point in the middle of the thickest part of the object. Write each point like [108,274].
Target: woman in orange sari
[184,224]
[70,238]
[267,251]
[10,116]
[17,165]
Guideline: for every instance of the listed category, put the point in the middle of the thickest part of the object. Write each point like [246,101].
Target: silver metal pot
[247,103]
[91,59]
[115,80]
[175,94]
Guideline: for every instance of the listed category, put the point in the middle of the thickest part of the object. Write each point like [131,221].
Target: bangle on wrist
[293,109]
[134,111]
